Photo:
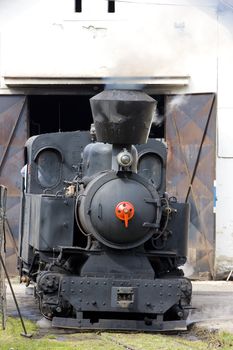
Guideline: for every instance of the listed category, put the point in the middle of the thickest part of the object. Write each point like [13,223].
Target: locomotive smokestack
[122,117]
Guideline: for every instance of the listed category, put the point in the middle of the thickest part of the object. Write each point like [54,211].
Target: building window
[111,6]
[78,5]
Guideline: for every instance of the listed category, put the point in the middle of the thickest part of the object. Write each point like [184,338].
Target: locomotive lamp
[124,158]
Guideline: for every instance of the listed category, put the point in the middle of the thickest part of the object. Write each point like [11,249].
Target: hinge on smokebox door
[154,225]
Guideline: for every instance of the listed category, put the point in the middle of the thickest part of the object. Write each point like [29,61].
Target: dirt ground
[213,303]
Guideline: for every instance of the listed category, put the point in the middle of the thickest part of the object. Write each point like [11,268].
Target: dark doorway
[157,128]
[59,113]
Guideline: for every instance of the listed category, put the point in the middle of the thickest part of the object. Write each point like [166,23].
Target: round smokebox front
[118,211]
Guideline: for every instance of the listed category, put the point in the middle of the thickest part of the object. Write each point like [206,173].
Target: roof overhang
[165,81]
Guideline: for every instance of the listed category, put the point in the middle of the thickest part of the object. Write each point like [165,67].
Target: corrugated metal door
[13,134]
[191,138]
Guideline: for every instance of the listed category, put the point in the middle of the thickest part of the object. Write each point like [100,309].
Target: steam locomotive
[100,238]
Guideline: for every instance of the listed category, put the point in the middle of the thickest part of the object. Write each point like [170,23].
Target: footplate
[119,325]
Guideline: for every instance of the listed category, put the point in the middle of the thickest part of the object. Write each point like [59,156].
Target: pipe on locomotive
[123,118]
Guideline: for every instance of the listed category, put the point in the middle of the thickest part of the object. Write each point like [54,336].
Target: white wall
[224,216]
[47,39]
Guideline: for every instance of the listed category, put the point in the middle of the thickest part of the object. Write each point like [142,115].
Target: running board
[119,325]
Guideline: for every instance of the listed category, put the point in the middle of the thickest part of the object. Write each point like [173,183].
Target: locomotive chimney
[122,117]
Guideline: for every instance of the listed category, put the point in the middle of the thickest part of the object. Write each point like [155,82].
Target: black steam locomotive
[100,238]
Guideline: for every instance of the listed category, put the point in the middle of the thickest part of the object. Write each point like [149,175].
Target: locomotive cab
[100,238]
